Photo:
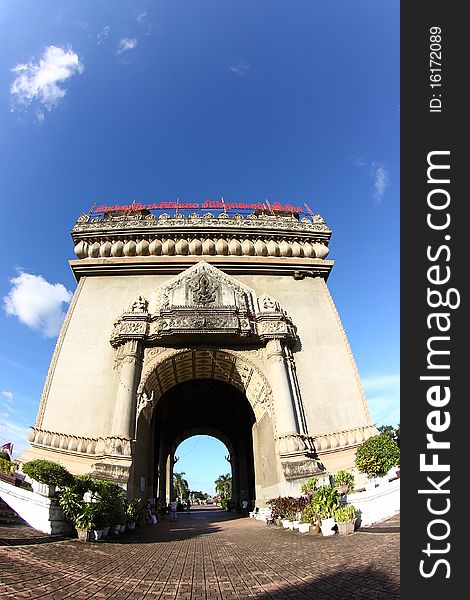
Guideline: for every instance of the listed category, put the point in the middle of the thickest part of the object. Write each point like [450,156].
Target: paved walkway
[205,555]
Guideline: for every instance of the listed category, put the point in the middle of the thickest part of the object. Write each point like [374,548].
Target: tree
[181,486]
[223,485]
[377,455]
[393,432]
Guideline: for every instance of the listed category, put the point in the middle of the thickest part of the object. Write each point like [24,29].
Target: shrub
[310,514]
[107,506]
[345,514]
[377,455]
[7,467]
[344,478]
[48,472]
[287,507]
[133,509]
[310,486]
[325,501]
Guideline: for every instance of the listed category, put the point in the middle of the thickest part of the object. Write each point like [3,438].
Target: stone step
[8,516]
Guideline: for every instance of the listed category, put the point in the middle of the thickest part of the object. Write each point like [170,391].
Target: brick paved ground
[208,555]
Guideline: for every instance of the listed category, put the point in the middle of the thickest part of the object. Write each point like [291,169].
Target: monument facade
[200,324]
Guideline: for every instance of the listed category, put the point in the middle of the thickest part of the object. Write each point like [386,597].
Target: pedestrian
[245,507]
[173,507]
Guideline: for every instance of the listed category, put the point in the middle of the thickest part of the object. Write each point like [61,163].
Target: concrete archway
[203,391]
[211,407]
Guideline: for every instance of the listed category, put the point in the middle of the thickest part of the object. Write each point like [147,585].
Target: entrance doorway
[205,407]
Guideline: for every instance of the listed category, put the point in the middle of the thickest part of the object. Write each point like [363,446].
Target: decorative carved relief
[293,444]
[140,305]
[343,439]
[203,290]
[235,367]
[104,446]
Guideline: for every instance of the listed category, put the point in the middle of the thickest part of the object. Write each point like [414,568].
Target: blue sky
[104,101]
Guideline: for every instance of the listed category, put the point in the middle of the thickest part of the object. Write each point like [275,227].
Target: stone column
[130,363]
[285,416]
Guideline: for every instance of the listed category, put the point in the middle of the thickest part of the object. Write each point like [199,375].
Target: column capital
[275,348]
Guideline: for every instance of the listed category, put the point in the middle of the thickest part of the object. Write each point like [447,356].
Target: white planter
[327,526]
[285,523]
[43,488]
[304,527]
[295,524]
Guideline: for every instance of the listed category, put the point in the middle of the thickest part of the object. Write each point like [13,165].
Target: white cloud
[41,80]
[141,17]
[6,394]
[103,34]
[37,303]
[381,381]
[126,44]
[379,174]
[383,398]
[381,181]
[240,67]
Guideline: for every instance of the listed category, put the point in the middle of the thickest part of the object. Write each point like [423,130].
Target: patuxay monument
[195,324]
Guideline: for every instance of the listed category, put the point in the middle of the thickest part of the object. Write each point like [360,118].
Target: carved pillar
[285,416]
[300,413]
[129,366]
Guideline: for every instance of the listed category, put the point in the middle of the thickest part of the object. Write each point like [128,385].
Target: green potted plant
[133,509]
[81,514]
[377,455]
[344,481]
[46,475]
[325,501]
[85,520]
[345,517]
[309,519]
[7,469]
[310,486]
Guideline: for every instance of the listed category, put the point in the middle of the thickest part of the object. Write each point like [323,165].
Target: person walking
[245,507]
[173,507]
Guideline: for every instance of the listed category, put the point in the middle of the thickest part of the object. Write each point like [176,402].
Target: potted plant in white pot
[309,519]
[345,517]
[133,510]
[326,501]
[344,482]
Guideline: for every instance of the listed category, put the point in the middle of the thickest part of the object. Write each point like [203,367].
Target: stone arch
[169,367]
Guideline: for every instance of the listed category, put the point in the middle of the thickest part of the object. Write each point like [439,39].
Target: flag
[7,448]
[308,210]
[269,206]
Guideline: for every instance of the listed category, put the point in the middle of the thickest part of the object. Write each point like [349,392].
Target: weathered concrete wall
[84,381]
[80,400]
[330,386]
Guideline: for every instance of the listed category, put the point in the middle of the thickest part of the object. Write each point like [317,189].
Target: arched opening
[204,407]
[202,460]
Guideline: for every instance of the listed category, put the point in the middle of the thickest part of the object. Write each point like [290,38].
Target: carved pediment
[204,301]
[204,286]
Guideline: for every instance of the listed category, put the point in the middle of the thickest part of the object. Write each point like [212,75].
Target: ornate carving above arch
[205,303]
